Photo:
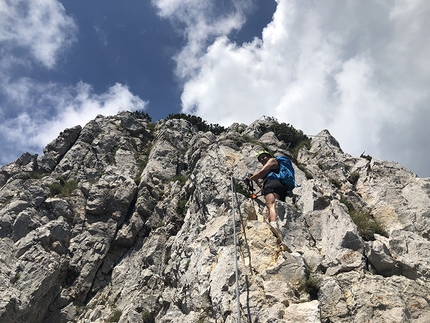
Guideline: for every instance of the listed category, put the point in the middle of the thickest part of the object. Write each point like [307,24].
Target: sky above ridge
[357,68]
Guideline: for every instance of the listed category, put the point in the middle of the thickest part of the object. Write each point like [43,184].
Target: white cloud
[33,113]
[39,26]
[200,22]
[32,33]
[359,69]
[62,108]
[83,106]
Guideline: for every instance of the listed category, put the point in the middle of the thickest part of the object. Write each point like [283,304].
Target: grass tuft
[63,188]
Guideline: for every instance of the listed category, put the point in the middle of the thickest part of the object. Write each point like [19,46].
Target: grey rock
[127,221]
[55,150]
[379,256]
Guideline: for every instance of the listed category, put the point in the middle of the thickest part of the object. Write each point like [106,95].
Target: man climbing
[271,187]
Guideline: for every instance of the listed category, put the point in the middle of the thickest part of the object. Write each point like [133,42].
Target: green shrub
[201,124]
[115,316]
[141,115]
[303,168]
[148,317]
[181,207]
[35,175]
[241,190]
[181,178]
[367,226]
[302,143]
[288,134]
[63,188]
[187,265]
[310,284]
[347,203]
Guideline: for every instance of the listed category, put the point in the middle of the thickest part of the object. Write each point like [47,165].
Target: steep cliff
[128,221]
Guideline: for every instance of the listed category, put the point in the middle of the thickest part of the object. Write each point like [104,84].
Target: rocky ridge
[127,221]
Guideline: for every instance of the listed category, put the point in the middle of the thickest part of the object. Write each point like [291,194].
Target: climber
[271,188]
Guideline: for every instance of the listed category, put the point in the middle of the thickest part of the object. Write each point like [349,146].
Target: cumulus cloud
[63,108]
[32,113]
[40,27]
[359,69]
[200,22]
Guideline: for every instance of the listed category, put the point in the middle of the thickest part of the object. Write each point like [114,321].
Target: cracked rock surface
[127,221]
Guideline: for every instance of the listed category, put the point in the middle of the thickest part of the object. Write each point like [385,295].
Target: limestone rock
[127,221]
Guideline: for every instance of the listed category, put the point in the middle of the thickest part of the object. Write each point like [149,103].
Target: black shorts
[275,186]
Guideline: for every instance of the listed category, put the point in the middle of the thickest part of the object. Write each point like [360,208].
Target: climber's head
[263,155]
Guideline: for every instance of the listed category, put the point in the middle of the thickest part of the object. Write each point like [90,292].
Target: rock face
[128,221]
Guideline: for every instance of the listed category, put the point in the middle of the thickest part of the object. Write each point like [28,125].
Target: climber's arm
[262,173]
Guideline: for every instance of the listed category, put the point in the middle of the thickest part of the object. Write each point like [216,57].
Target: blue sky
[357,68]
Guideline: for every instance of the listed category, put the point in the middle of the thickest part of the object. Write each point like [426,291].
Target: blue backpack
[285,174]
